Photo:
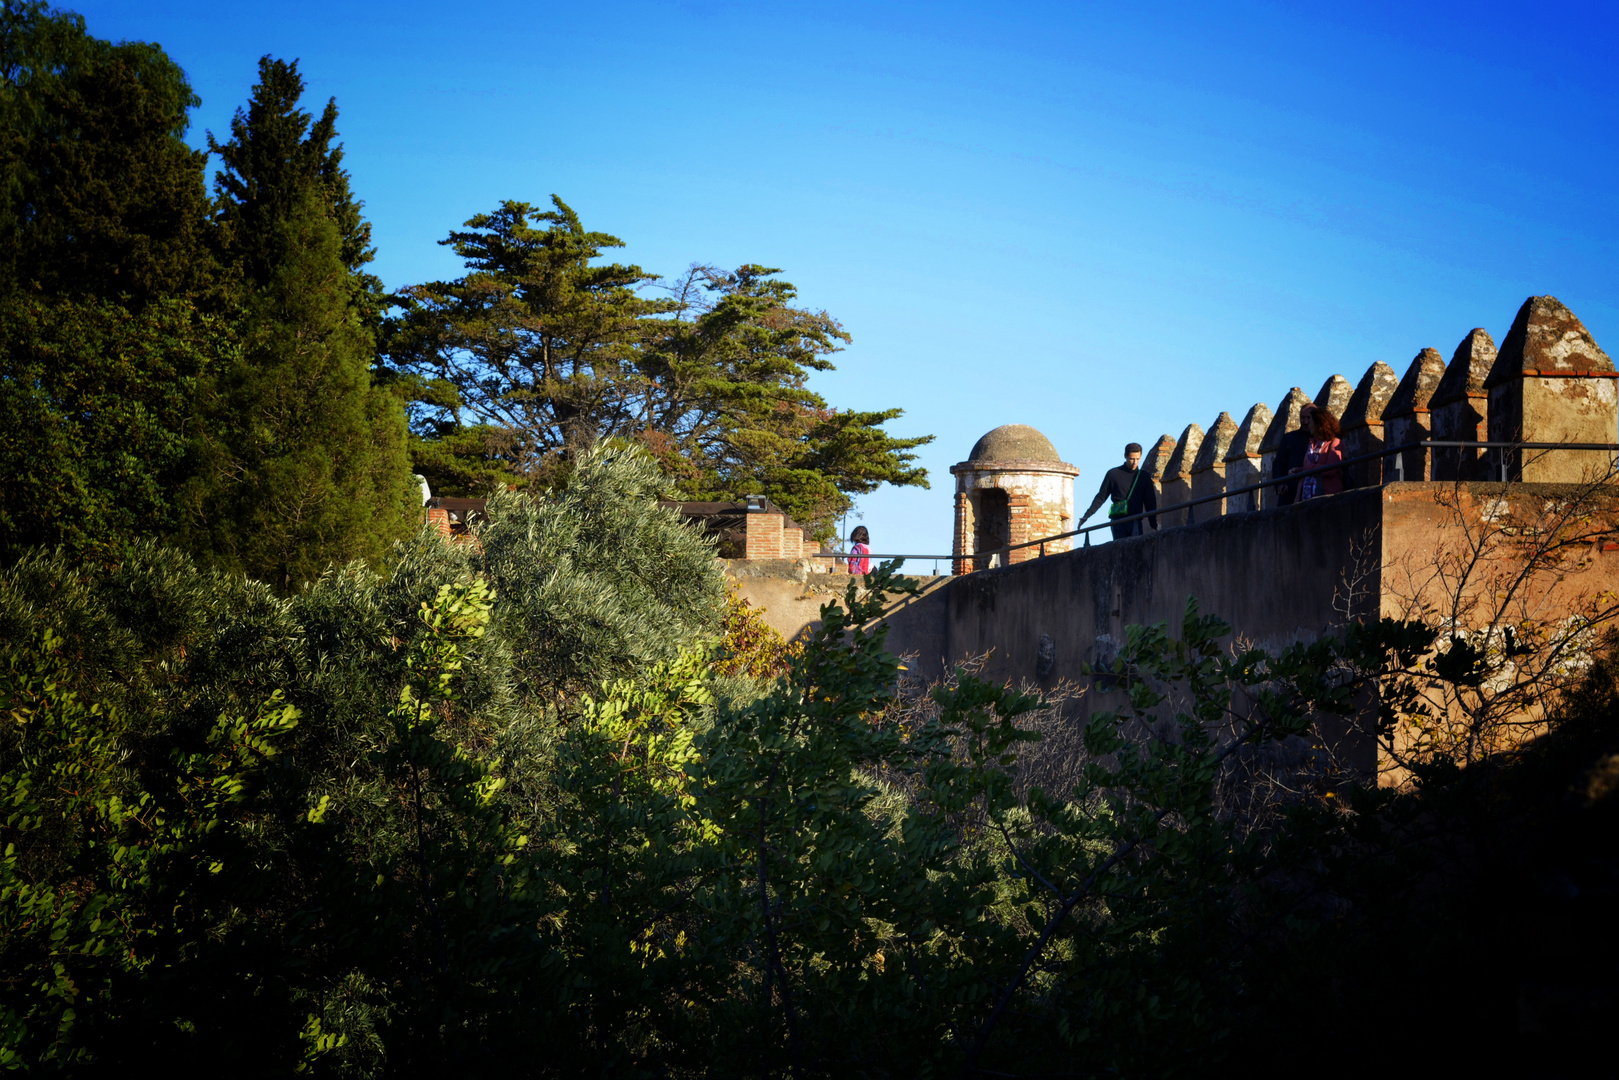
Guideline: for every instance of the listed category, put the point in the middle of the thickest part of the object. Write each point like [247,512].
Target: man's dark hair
[1132,448]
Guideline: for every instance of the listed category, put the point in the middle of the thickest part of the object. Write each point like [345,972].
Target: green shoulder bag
[1121,507]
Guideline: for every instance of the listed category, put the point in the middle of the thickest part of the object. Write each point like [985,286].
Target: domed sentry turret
[1011,489]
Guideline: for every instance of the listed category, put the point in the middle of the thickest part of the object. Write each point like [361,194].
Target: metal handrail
[1275,481]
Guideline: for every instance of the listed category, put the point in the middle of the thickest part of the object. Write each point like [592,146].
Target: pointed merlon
[1417,387]
[1334,395]
[1548,341]
[1185,452]
[1285,420]
[1250,433]
[1157,459]
[1470,365]
[1216,443]
[1371,397]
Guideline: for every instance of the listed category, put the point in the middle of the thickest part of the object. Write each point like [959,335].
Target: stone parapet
[1243,463]
[1178,475]
[1551,382]
[1460,410]
[1363,419]
[1405,419]
[1208,472]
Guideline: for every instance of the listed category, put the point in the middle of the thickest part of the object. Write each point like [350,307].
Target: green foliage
[100,197]
[305,462]
[95,403]
[749,647]
[541,350]
[597,579]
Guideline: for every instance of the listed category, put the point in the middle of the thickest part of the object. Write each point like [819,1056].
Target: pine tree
[542,350]
[307,459]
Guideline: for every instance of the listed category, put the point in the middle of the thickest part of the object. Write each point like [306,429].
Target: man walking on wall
[1131,493]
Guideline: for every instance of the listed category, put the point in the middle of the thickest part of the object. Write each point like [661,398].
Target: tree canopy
[306,458]
[542,349]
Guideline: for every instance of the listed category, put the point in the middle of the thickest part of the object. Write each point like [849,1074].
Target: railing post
[1399,466]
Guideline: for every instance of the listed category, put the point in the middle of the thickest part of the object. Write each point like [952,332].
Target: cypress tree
[308,460]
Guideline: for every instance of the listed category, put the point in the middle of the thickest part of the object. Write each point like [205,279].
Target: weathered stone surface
[1363,420]
[1405,417]
[1461,409]
[1552,383]
[1417,386]
[1156,460]
[1371,397]
[1178,475]
[1470,366]
[1250,433]
[1547,340]
[1208,471]
[1242,461]
[1334,395]
[1013,442]
[1285,420]
[1216,443]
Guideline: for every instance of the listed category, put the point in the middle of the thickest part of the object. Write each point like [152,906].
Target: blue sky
[1107,221]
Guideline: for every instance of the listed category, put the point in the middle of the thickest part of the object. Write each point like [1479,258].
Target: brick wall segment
[1208,471]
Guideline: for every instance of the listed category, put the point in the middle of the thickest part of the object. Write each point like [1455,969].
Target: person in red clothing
[858,563]
[1325,449]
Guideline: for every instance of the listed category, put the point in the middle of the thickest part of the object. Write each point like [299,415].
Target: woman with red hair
[1325,449]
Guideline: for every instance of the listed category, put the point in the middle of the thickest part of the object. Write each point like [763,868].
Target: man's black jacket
[1116,485]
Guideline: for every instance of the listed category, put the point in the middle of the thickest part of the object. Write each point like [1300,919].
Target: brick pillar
[1242,461]
[962,544]
[1023,528]
[1285,420]
[764,534]
[1178,475]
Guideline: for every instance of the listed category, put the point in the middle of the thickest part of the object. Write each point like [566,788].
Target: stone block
[1551,382]
[1334,395]
[1242,460]
[1363,420]
[1285,420]
[1153,465]
[1460,410]
[1178,475]
[1208,471]
[1405,418]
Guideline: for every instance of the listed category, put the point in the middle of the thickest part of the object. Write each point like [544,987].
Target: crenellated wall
[1550,382]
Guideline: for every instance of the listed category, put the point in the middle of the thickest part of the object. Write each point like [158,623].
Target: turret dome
[1013,442]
